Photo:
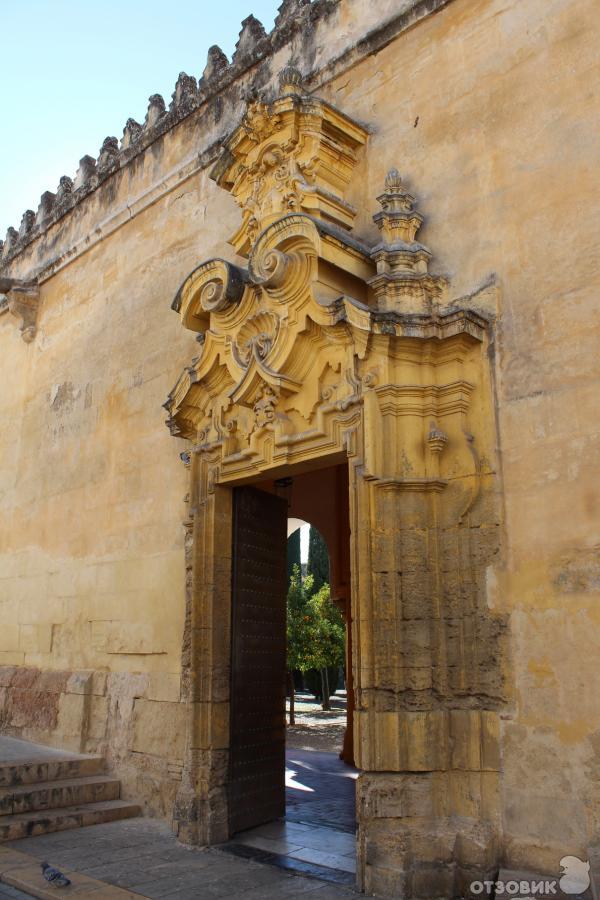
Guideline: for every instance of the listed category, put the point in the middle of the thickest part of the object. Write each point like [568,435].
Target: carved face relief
[264,407]
[257,122]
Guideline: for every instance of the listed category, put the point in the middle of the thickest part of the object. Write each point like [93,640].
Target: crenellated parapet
[299,25]
[253,45]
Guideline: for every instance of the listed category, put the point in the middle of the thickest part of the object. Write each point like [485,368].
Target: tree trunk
[325,689]
[291,694]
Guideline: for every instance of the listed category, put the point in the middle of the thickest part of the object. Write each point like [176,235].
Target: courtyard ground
[311,852]
[143,856]
[316,728]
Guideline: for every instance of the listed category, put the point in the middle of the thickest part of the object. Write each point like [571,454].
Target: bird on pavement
[53,876]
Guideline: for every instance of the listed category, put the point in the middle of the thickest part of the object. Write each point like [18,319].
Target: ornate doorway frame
[322,349]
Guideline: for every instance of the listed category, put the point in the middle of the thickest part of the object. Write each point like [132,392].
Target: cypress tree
[293,553]
[318,559]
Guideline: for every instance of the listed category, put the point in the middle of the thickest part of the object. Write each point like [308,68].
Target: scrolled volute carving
[284,257]
[224,284]
[211,288]
[270,268]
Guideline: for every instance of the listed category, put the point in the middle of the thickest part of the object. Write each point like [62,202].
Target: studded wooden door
[258,659]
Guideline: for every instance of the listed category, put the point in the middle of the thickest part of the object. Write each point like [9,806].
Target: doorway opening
[292,785]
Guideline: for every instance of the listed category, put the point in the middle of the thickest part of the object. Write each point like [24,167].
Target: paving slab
[159,867]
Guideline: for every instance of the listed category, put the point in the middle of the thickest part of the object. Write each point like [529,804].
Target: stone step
[51,769]
[21,825]
[58,794]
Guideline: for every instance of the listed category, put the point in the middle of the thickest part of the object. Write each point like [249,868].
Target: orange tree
[315,632]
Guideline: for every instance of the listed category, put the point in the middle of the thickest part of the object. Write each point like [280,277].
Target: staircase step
[34,772]
[21,825]
[57,794]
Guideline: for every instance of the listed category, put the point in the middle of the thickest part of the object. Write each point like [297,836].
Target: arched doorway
[325,354]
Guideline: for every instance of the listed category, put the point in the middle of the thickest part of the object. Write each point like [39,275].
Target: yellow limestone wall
[489,111]
[501,158]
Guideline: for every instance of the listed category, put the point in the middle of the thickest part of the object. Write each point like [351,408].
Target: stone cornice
[253,49]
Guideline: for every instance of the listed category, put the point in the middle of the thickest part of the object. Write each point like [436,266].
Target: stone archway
[322,350]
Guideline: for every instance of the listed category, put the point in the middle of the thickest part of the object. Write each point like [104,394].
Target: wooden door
[258,659]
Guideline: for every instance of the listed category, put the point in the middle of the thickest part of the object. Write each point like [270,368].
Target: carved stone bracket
[22,301]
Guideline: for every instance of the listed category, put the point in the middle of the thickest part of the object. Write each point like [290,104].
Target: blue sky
[74,72]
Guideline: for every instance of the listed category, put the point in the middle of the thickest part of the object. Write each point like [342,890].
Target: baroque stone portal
[319,350]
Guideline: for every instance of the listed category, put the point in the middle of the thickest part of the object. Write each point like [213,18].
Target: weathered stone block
[159,728]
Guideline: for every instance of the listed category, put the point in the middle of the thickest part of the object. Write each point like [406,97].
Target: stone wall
[486,107]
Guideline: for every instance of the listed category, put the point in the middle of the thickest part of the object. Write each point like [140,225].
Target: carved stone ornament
[22,301]
[264,407]
[293,155]
[296,341]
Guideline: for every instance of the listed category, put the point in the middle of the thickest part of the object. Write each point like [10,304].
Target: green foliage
[315,627]
[293,553]
[318,559]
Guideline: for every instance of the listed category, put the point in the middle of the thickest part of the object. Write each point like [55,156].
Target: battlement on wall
[300,24]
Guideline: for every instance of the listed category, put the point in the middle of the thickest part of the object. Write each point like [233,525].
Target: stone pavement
[6,891]
[143,855]
[320,789]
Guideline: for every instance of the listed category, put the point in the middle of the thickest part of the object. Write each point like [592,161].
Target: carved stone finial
[131,133]
[12,236]
[185,95]
[289,11]
[393,182]
[109,152]
[156,110]
[216,63]
[250,38]
[290,81]
[46,207]
[85,172]
[436,439]
[27,223]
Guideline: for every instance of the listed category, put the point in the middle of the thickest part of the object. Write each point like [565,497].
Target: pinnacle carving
[402,282]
